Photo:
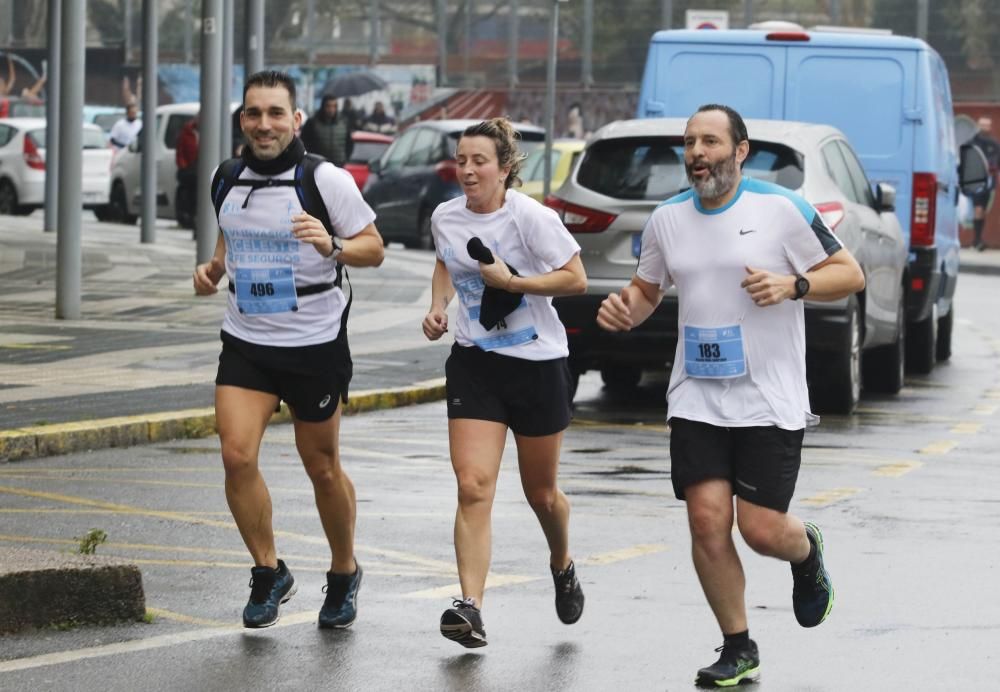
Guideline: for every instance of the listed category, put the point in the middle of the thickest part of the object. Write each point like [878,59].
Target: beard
[722,177]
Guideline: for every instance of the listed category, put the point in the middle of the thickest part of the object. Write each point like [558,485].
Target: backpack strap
[313,204]
[225,178]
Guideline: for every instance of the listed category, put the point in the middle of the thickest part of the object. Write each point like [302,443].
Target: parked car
[126,204]
[104,117]
[368,146]
[22,166]
[629,167]
[565,152]
[17,107]
[418,172]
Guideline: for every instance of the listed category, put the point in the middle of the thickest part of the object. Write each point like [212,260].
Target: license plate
[636,244]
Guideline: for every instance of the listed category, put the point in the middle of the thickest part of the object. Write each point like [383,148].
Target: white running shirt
[260,238]
[527,236]
[704,253]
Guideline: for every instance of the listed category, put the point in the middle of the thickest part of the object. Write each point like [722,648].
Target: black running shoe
[569,594]
[463,623]
[340,608]
[812,590]
[736,666]
[269,588]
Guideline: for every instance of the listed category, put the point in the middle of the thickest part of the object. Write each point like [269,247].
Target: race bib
[714,352]
[266,291]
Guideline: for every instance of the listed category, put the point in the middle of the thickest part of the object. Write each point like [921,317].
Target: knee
[324,472]
[238,461]
[762,537]
[542,501]
[474,489]
[708,526]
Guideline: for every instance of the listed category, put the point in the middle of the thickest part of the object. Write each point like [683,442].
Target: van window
[652,168]
[861,186]
[837,168]
[174,125]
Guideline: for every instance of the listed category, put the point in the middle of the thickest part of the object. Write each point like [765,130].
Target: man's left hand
[308,229]
[766,288]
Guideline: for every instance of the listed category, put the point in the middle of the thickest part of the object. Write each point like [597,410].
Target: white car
[22,166]
[126,173]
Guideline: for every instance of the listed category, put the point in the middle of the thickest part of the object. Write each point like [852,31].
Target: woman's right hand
[435,324]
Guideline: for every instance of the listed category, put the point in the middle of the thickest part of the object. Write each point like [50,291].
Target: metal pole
[667,14]
[150,52]
[467,42]
[188,21]
[254,53]
[923,9]
[550,97]
[52,117]
[442,24]
[226,94]
[374,32]
[211,112]
[587,76]
[72,71]
[835,12]
[513,41]
[747,12]
[310,95]
[127,12]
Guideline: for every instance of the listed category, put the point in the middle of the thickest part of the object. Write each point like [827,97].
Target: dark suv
[418,172]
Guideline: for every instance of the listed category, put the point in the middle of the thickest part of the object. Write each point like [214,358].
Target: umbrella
[353,84]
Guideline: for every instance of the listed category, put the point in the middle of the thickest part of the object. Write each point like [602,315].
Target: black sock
[740,640]
[977,226]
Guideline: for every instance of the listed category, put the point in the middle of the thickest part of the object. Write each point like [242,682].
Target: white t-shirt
[124,131]
[261,252]
[704,253]
[527,236]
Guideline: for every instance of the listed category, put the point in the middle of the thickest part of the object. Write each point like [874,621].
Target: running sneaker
[812,590]
[736,666]
[569,594]
[269,588]
[463,623]
[340,608]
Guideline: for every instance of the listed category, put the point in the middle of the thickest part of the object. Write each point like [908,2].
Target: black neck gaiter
[289,158]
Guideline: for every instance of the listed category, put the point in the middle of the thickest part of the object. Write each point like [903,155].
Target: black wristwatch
[338,247]
[801,287]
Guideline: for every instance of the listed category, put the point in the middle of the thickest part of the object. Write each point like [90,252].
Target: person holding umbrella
[507,369]
[328,133]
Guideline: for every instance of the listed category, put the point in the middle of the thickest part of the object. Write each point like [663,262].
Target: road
[905,491]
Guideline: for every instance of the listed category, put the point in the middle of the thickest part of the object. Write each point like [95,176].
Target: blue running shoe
[736,666]
[269,588]
[812,590]
[340,608]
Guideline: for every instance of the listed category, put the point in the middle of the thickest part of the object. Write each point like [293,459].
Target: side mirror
[375,165]
[885,197]
[973,172]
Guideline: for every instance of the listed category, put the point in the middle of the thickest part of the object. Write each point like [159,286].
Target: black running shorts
[312,380]
[531,397]
[762,463]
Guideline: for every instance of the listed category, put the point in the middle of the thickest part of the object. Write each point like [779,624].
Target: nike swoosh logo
[752,230]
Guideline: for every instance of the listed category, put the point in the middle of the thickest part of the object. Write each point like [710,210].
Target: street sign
[706,19]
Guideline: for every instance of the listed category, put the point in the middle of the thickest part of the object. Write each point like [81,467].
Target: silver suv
[629,167]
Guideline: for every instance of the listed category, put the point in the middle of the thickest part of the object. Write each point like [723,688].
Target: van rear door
[878,112]
[749,77]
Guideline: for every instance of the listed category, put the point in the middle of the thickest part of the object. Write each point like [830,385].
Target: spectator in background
[379,120]
[574,122]
[186,157]
[8,84]
[981,202]
[328,133]
[126,129]
[355,116]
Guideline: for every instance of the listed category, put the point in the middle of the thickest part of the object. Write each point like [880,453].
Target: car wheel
[621,378]
[883,367]
[921,346]
[105,212]
[8,198]
[119,205]
[425,238]
[835,380]
[945,326]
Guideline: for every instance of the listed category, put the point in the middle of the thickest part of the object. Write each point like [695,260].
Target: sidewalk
[139,365]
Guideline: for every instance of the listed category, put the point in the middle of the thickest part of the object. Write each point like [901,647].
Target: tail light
[447,171]
[31,155]
[788,36]
[832,213]
[579,219]
[924,209]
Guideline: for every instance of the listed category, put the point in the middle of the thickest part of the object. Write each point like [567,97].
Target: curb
[984,269]
[127,431]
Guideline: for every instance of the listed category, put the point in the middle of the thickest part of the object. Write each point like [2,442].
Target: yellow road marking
[967,428]
[830,496]
[186,619]
[492,581]
[939,447]
[623,554]
[992,394]
[896,470]
[984,410]
[35,347]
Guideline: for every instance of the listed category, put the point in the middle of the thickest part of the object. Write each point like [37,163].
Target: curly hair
[505,137]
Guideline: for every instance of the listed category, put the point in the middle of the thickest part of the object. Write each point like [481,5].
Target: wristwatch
[801,286]
[338,247]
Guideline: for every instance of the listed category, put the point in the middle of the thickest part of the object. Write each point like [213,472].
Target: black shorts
[762,463]
[312,380]
[981,199]
[531,397]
